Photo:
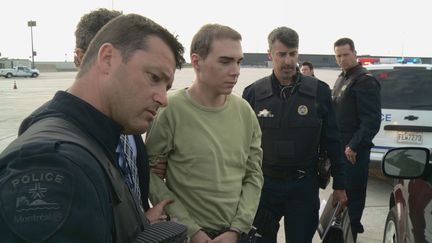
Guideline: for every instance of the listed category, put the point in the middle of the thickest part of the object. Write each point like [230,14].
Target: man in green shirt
[211,141]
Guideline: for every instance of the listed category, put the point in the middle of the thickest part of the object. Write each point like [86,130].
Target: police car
[406,100]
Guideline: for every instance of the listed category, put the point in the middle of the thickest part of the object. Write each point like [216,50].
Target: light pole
[30,24]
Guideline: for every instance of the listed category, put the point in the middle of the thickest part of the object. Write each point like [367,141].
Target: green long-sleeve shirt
[214,162]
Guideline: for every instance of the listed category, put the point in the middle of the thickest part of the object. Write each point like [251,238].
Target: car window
[405,88]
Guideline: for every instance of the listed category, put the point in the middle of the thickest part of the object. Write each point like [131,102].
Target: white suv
[406,100]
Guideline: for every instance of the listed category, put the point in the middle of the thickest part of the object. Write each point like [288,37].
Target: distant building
[42,66]
[318,60]
[10,63]
[250,60]
[255,60]
[261,60]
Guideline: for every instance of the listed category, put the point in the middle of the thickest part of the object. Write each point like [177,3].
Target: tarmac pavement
[374,215]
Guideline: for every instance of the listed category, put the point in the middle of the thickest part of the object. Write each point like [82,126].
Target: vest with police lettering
[129,219]
[290,128]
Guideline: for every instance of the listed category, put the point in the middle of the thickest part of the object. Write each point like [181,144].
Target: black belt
[291,173]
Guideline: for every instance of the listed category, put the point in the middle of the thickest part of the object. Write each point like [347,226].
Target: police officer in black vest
[357,101]
[59,180]
[296,118]
[86,29]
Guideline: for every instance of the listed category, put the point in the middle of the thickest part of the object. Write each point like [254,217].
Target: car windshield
[405,88]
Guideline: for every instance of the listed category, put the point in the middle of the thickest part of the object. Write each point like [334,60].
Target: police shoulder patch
[35,203]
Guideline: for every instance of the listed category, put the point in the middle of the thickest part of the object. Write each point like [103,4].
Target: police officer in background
[307,69]
[357,101]
[59,180]
[296,118]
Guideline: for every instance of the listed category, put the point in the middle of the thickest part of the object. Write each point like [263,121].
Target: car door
[419,211]
[410,213]
[20,71]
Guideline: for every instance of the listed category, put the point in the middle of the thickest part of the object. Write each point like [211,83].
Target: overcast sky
[378,27]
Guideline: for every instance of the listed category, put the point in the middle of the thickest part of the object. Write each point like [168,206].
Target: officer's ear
[269,55]
[107,56]
[78,57]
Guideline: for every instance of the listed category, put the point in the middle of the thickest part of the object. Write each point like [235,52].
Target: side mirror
[405,162]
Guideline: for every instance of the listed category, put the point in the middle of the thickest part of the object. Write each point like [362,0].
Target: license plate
[410,137]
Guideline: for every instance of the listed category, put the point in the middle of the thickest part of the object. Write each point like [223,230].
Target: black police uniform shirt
[142,162]
[64,195]
[329,134]
[357,101]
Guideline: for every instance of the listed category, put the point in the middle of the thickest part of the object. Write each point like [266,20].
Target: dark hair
[345,41]
[90,24]
[287,36]
[129,33]
[203,39]
[309,64]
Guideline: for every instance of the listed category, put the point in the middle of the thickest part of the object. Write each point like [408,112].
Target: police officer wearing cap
[357,101]
[296,118]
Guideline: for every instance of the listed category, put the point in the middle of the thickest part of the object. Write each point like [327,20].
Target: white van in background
[406,100]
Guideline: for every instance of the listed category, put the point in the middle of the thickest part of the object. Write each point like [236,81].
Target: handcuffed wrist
[234,229]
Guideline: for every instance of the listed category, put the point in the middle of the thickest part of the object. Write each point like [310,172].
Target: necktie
[129,168]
